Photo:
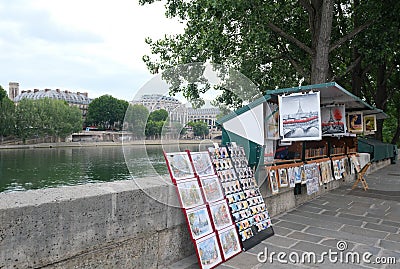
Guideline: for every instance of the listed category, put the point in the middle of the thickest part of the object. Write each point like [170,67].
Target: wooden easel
[360,173]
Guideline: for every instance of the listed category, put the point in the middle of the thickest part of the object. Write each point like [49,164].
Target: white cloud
[94,46]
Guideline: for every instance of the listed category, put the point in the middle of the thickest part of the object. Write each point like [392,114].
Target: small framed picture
[273,181]
[246,234]
[283,178]
[212,189]
[190,193]
[220,215]
[202,163]
[199,222]
[208,251]
[230,243]
[179,165]
[355,122]
[291,177]
[370,123]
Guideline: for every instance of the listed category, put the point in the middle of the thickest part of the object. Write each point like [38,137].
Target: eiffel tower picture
[333,120]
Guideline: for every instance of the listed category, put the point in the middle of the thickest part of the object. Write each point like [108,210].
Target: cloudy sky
[79,45]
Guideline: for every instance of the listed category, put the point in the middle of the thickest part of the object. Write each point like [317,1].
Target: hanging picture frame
[202,164]
[212,189]
[370,124]
[300,116]
[333,120]
[199,222]
[220,215]
[283,177]
[189,193]
[273,180]
[291,176]
[355,122]
[179,165]
[208,251]
[229,240]
[297,174]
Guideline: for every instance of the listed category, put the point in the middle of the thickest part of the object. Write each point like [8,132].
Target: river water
[24,169]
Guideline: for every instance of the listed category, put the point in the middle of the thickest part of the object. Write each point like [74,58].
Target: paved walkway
[364,221]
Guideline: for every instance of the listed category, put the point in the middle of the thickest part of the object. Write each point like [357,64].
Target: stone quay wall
[109,225]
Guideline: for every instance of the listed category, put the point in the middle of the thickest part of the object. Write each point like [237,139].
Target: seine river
[24,169]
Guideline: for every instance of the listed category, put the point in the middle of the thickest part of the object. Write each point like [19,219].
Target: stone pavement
[364,221]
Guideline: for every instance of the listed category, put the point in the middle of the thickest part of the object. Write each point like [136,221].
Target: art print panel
[273,180]
[283,177]
[355,121]
[297,174]
[230,243]
[190,193]
[300,117]
[199,222]
[291,176]
[212,189]
[179,165]
[312,182]
[208,252]
[220,215]
[333,120]
[370,123]
[202,163]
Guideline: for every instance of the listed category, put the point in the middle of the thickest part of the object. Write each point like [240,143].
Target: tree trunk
[381,97]
[396,136]
[321,26]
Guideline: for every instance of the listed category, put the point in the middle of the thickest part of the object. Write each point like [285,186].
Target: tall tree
[107,112]
[135,120]
[7,115]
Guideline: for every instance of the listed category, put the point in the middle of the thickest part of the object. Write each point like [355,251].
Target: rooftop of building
[70,97]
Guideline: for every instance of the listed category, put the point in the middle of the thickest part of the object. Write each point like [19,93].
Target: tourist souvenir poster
[202,163]
[333,120]
[291,176]
[300,117]
[297,174]
[312,182]
[326,172]
[273,180]
[303,175]
[336,169]
[230,243]
[283,178]
[369,123]
[179,165]
[212,189]
[190,193]
[208,251]
[271,123]
[220,215]
[199,222]
[355,120]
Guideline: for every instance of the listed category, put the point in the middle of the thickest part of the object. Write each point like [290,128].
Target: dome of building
[69,97]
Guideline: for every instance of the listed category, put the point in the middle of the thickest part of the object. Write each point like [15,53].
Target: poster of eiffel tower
[333,120]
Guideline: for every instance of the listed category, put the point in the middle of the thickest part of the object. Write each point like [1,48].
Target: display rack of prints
[204,205]
[313,177]
[247,204]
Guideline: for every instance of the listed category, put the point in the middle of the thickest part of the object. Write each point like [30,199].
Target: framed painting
[190,193]
[199,222]
[283,177]
[297,174]
[208,251]
[291,176]
[300,117]
[230,244]
[333,120]
[355,122]
[212,189]
[369,123]
[273,180]
[179,165]
[220,215]
[202,163]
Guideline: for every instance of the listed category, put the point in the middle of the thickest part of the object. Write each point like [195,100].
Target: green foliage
[135,120]
[154,128]
[7,115]
[106,112]
[158,115]
[200,128]
[46,117]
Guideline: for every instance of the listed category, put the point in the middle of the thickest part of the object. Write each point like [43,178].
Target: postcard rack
[204,205]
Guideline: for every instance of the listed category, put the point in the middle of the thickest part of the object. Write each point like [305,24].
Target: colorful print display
[212,189]
[355,122]
[199,222]
[313,177]
[179,165]
[190,193]
[220,215]
[240,187]
[300,117]
[369,124]
[202,164]
[208,251]
[230,243]
[333,120]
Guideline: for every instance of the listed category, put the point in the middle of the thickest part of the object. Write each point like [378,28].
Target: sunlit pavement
[366,222]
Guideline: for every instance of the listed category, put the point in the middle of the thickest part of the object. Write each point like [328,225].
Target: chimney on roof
[35,90]
[66,91]
[29,91]
[58,90]
[23,92]
[46,90]
[78,93]
[85,94]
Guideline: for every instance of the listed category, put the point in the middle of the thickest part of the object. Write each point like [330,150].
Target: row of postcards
[313,174]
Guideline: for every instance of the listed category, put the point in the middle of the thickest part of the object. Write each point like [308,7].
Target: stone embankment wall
[107,225]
